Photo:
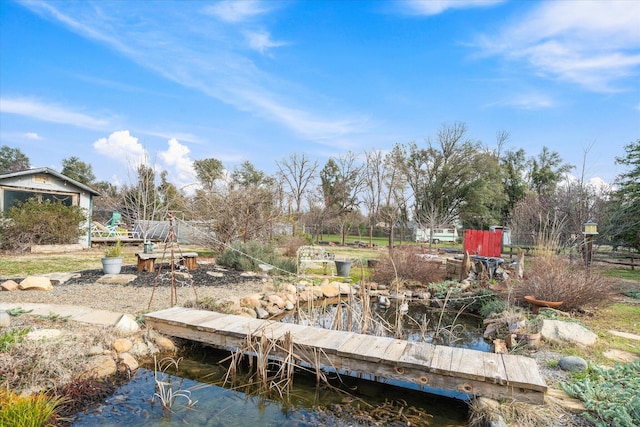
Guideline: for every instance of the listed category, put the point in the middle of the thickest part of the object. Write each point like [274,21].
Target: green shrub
[249,256]
[612,396]
[10,338]
[28,411]
[34,223]
[492,306]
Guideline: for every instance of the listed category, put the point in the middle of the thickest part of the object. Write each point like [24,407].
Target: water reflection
[418,322]
[358,404]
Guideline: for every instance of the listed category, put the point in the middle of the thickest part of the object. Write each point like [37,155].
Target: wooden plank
[348,349]
[372,348]
[523,372]
[311,336]
[494,371]
[277,330]
[417,355]
[395,350]
[441,362]
[334,340]
[466,363]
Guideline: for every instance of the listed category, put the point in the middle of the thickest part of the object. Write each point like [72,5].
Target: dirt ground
[149,291]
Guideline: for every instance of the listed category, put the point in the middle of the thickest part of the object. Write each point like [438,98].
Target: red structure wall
[483,242]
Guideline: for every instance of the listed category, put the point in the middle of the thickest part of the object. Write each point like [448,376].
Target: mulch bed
[199,276]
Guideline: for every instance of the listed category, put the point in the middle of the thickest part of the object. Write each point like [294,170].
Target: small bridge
[498,376]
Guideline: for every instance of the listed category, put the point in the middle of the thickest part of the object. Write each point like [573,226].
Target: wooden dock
[498,376]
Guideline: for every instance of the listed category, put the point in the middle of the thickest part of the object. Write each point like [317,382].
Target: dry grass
[515,413]
[554,278]
[406,265]
[35,366]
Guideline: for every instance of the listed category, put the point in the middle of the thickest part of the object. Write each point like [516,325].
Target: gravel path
[149,291]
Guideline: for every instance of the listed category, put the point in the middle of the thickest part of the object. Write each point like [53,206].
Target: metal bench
[314,255]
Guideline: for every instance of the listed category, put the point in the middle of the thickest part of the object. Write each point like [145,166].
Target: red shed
[483,242]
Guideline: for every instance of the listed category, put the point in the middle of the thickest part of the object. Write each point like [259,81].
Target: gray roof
[49,172]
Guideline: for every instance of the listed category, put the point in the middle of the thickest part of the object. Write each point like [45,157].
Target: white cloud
[594,44]
[236,11]
[527,101]
[434,7]
[122,147]
[51,113]
[204,57]
[178,163]
[32,135]
[261,40]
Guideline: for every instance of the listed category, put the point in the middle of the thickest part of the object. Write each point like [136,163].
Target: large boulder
[560,332]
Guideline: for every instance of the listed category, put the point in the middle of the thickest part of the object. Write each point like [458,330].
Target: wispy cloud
[235,11]
[51,113]
[32,135]
[196,52]
[529,100]
[261,41]
[595,44]
[435,7]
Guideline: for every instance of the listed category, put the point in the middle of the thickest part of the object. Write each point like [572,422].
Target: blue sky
[107,81]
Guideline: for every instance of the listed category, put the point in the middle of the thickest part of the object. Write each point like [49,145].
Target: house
[47,184]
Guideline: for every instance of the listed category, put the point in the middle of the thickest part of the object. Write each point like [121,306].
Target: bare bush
[407,264]
[553,278]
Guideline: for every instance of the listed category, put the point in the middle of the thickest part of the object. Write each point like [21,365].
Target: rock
[117,279]
[43,334]
[345,288]
[9,285]
[305,295]
[128,362]
[573,363]
[248,312]
[5,319]
[560,332]
[36,283]
[58,278]
[290,289]
[95,350]
[122,345]
[329,290]
[165,344]
[276,300]
[251,301]
[619,355]
[289,306]
[215,274]
[500,346]
[99,367]
[626,335]
[561,398]
[261,312]
[317,292]
[127,324]
[273,310]
[139,349]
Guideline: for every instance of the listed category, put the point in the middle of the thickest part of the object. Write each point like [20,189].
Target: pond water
[200,378]
[419,323]
[348,401]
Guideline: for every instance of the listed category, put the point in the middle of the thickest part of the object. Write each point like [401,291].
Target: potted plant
[112,260]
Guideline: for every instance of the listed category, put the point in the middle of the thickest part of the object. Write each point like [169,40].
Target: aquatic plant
[165,390]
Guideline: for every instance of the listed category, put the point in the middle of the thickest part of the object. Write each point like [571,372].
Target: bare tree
[297,172]
[342,181]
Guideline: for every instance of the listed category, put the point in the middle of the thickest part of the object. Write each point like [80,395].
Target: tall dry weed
[408,264]
[554,278]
